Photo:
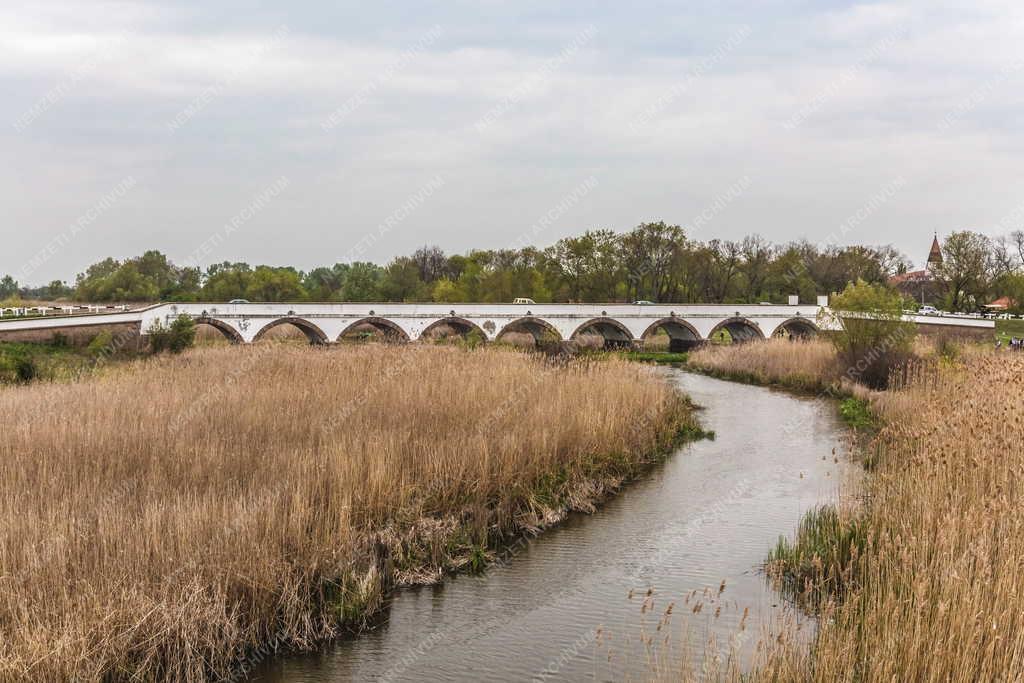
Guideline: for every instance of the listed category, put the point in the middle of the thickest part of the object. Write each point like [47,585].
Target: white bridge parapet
[617,323]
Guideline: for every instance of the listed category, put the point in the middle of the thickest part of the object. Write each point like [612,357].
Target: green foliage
[101,344]
[60,340]
[965,270]
[8,288]
[856,413]
[150,277]
[178,336]
[654,261]
[873,338]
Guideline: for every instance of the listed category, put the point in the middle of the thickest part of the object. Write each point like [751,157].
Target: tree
[8,287]
[648,254]
[431,263]
[324,284]
[872,339]
[965,269]
[362,283]
[226,281]
[275,284]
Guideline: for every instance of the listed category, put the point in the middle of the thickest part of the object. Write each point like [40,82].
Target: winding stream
[709,515]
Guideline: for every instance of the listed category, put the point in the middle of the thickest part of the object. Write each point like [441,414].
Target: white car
[927,310]
[523,300]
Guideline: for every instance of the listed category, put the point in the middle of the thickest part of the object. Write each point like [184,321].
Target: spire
[935,255]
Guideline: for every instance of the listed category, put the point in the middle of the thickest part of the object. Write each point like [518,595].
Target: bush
[873,340]
[180,335]
[60,340]
[100,344]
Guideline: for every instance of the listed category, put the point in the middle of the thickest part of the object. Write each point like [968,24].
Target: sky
[308,133]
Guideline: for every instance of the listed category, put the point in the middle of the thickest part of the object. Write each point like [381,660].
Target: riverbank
[586,600]
[922,578]
[208,505]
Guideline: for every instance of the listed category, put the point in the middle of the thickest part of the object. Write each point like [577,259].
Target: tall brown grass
[162,520]
[810,364]
[937,592]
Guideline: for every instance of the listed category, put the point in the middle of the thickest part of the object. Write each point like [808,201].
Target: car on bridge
[523,300]
[239,301]
[643,302]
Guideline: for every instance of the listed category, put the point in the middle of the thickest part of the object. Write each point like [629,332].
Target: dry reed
[161,521]
[938,593]
[809,365]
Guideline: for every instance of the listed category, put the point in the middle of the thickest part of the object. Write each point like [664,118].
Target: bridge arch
[614,333]
[740,329]
[796,327]
[229,332]
[539,329]
[391,331]
[461,326]
[313,333]
[682,335]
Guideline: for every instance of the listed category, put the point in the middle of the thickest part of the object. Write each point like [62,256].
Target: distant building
[922,285]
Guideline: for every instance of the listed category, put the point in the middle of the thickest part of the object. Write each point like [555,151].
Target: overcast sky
[306,133]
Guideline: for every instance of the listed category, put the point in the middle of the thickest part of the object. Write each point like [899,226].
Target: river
[569,605]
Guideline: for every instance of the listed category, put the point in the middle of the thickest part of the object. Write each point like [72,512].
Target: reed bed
[177,518]
[807,365]
[939,594]
[933,588]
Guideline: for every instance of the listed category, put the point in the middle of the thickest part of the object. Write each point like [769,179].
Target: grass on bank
[939,593]
[924,578]
[55,360]
[163,520]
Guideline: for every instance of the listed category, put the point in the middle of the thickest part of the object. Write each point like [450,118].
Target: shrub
[60,340]
[872,339]
[180,335]
[100,344]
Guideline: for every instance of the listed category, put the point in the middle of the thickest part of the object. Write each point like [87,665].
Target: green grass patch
[22,362]
[820,562]
[856,413]
[667,357]
[1005,329]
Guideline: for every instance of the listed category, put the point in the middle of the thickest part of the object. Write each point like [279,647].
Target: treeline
[654,261]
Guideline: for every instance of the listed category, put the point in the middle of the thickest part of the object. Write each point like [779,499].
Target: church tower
[934,256]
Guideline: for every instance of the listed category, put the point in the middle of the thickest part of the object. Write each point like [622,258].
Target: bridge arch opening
[672,334]
[278,330]
[736,331]
[796,328]
[212,331]
[452,328]
[373,329]
[528,331]
[609,333]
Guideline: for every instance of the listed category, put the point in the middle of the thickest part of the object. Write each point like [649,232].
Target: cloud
[869,86]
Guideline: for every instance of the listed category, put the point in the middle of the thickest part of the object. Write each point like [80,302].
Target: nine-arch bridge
[322,323]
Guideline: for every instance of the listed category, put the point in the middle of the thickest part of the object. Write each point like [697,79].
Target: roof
[1002,303]
[912,276]
[935,255]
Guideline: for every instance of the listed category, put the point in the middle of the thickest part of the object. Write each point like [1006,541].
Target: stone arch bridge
[618,324]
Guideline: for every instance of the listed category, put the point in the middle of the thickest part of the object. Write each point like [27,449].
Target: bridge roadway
[619,324]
